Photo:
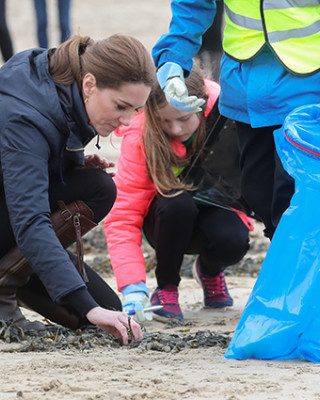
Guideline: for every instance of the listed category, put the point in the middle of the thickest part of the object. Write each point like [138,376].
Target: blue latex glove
[171,80]
[135,299]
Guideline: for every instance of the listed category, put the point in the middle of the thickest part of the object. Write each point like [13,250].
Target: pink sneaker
[215,291]
[168,298]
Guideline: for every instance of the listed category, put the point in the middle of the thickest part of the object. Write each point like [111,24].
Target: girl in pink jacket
[157,194]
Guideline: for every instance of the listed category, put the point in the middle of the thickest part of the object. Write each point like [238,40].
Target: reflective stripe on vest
[291,28]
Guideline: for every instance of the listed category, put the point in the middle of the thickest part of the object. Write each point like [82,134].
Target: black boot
[10,311]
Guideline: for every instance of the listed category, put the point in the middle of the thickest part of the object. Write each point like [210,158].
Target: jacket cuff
[81,301]
[168,70]
[135,287]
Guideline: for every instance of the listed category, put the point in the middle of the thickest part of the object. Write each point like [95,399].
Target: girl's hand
[96,161]
[114,322]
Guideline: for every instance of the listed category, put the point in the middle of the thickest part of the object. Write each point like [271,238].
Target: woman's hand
[96,161]
[114,322]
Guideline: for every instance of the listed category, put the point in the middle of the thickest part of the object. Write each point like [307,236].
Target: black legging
[97,189]
[5,39]
[265,185]
[177,226]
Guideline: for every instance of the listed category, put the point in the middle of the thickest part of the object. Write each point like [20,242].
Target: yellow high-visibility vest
[291,28]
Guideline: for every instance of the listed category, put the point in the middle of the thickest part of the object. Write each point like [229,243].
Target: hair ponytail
[65,61]
[112,61]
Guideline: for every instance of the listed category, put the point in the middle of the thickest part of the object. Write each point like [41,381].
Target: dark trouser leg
[93,186]
[264,183]
[7,239]
[9,310]
[42,22]
[35,296]
[282,192]
[5,38]
[64,19]
[220,238]
[168,228]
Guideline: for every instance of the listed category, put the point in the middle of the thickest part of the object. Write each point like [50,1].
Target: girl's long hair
[160,157]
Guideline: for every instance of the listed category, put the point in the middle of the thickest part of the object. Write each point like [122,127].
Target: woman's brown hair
[113,61]
[160,157]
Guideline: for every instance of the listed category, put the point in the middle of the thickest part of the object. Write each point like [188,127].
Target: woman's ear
[89,84]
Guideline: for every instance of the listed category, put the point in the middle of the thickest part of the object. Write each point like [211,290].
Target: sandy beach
[128,373]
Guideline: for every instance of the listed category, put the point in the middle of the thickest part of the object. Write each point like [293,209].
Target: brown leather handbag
[70,222]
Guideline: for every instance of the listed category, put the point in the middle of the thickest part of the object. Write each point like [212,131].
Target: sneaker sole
[161,318]
[217,307]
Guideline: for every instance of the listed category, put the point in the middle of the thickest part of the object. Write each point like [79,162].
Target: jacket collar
[80,132]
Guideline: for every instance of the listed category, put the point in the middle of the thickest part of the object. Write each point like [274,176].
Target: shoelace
[167,297]
[216,285]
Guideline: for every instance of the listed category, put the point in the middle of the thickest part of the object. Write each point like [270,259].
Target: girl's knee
[235,249]
[181,206]
[229,250]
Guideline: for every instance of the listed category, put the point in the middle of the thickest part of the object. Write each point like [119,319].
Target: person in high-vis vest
[270,66]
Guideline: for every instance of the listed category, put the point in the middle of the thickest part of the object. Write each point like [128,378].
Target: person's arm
[124,223]
[190,20]
[174,51]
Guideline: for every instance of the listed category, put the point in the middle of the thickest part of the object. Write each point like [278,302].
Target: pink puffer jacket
[123,225]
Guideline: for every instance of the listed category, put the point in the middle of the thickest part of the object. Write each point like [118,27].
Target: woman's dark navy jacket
[41,133]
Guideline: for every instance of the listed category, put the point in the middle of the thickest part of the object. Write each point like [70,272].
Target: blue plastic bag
[281,319]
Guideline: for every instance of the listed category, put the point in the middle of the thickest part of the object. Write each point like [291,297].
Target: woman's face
[178,124]
[108,108]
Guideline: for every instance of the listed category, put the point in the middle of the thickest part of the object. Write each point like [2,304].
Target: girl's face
[178,124]
[108,108]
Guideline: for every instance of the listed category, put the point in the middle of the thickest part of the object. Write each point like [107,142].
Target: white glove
[134,303]
[171,79]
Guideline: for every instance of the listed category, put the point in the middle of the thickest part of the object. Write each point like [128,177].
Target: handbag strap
[75,216]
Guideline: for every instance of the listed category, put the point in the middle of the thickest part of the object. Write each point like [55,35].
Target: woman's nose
[126,118]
